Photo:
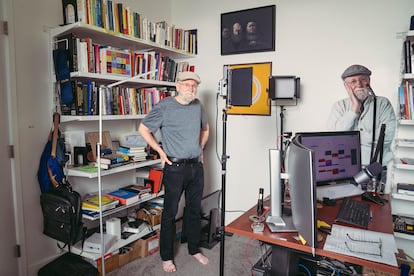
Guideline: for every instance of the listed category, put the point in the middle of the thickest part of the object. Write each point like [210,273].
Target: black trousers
[179,178]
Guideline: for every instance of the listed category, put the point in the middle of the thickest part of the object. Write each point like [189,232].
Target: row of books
[406,101]
[117,100]
[85,55]
[127,195]
[119,18]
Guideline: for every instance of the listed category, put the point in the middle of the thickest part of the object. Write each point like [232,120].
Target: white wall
[315,40]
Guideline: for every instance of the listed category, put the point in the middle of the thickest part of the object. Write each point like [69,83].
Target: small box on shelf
[147,245]
[150,215]
[403,224]
[93,244]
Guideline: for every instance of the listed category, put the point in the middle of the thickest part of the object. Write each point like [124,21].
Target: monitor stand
[276,221]
[280,224]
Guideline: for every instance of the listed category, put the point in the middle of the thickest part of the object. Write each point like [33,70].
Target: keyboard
[354,212]
[337,191]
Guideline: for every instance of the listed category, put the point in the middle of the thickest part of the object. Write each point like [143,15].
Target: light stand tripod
[224,158]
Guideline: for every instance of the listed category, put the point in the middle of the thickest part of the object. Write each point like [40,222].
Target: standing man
[184,132]
[357,113]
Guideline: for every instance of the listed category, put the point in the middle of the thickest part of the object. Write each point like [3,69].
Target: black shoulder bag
[62,214]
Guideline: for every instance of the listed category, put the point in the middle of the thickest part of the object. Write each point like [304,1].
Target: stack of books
[135,153]
[112,160]
[141,190]
[136,226]
[124,197]
[90,206]
[92,203]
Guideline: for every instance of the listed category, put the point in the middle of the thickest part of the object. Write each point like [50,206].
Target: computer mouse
[329,202]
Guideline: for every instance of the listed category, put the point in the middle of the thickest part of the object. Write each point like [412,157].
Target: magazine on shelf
[91,203]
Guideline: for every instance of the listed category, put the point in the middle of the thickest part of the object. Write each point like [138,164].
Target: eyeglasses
[189,86]
[370,247]
[356,80]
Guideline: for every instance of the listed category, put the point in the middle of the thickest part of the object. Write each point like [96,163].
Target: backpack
[62,214]
[53,159]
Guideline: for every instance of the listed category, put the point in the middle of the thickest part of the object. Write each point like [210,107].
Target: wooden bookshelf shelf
[79,172]
[88,118]
[124,207]
[108,79]
[404,148]
[117,40]
[403,197]
[77,248]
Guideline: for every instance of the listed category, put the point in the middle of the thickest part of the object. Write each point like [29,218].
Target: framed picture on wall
[247,31]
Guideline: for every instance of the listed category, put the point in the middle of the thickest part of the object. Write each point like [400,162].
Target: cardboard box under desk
[127,254]
[146,246]
[154,218]
[111,263]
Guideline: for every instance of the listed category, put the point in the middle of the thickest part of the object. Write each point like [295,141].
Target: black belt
[183,161]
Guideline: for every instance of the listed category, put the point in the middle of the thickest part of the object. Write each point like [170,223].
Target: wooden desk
[382,222]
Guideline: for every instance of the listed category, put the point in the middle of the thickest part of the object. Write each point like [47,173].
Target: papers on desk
[364,244]
[336,191]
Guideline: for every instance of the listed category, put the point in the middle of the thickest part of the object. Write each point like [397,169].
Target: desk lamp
[372,172]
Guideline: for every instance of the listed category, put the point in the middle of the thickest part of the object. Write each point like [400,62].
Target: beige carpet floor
[240,255]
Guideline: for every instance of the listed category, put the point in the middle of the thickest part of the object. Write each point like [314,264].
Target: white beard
[186,97]
[361,94]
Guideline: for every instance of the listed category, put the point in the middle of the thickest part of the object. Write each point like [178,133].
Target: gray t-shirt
[180,126]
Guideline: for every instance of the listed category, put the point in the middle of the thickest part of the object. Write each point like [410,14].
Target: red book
[406,100]
[156,177]
[97,58]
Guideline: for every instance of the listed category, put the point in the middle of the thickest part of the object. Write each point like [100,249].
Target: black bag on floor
[62,214]
[68,264]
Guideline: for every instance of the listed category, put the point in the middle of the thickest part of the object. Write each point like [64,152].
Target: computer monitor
[337,155]
[302,190]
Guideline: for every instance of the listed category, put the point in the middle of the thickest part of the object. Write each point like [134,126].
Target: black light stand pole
[281,128]
[223,192]
[282,181]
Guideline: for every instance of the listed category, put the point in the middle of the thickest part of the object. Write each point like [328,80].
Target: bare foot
[168,266]
[201,258]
